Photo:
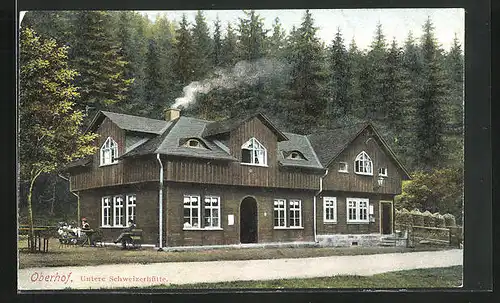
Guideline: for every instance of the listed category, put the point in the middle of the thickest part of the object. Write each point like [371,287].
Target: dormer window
[109,152]
[382,171]
[253,152]
[295,155]
[192,143]
[343,167]
[363,165]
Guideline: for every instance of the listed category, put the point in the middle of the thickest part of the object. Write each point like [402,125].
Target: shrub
[403,217]
[428,219]
[417,217]
[449,220]
[438,220]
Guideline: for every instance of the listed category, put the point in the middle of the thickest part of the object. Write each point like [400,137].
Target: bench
[134,239]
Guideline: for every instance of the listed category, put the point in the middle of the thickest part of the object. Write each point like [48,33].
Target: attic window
[343,167]
[109,152]
[193,143]
[382,171]
[295,155]
[253,152]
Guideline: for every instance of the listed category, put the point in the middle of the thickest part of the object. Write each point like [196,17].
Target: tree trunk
[30,212]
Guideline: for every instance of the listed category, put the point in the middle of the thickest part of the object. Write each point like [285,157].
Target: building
[187,181]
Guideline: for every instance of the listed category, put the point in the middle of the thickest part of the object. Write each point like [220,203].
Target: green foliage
[339,75]
[202,47]
[101,68]
[184,53]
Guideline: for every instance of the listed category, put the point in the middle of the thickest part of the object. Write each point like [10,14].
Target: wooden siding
[342,227]
[235,173]
[231,198]
[351,181]
[146,210]
[125,171]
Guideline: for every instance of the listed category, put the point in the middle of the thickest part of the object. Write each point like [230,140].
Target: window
[106,211]
[279,213]
[363,164]
[212,212]
[194,143]
[252,152]
[357,210]
[131,207]
[382,171]
[330,209]
[118,213]
[343,167]
[109,152]
[295,155]
[295,211]
[191,211]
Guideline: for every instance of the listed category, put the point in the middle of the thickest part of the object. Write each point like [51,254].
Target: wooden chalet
[187,181]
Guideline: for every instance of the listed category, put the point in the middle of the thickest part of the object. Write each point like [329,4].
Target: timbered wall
[231,198]
[129,170]
[146,209]
[341,226]
[353,182]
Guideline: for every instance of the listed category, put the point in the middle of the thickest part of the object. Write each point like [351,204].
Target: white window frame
[106,208]
[131,204]
[365,164]
[346,170]
[358,210]
[332,207]
[384,173]
[256,150]
[108,152]
[211,210]
[294,207]
[191,209]
[279,205]
[118,211]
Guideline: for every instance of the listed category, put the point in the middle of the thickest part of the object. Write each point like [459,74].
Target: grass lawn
[445,277]
[87,256]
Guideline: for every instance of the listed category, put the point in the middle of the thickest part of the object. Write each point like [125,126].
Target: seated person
[125,235]
[85,224]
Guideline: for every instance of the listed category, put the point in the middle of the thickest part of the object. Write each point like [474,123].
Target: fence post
[449,236]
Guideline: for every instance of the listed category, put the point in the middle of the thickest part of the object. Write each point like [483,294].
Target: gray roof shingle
[328,143]
[301,144]
[136,123]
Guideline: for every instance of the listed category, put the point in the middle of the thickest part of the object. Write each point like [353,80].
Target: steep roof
[329,143]
[169,143]
[301,144]
[224,126]
[131,123]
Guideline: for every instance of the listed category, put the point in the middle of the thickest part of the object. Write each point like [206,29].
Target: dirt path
[141,275]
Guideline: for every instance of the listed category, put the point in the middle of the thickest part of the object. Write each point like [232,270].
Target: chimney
[172,114]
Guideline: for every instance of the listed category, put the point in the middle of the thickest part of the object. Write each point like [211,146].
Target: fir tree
[229,47]
[430,121]
[338,61]
[202,47]
[96,56]
[252,37]
[184,53]
[217,49]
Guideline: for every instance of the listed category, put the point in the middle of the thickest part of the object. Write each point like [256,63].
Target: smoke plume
[244,72]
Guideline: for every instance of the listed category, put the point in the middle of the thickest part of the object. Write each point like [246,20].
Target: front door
[248,220]
[386,218]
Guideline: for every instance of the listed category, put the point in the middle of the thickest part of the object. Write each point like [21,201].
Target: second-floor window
[253,152]
[109,152]
[363,165]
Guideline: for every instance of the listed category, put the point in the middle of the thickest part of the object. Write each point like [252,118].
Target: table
[89,233]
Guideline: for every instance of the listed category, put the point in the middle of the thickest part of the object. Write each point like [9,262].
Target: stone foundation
[349,240]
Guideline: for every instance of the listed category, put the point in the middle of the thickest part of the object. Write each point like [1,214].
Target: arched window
[363,164]
[109,152]
[252,152]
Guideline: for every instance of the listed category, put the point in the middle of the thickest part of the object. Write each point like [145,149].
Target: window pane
[246,156]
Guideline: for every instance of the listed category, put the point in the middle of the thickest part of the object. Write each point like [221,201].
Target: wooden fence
[419,235]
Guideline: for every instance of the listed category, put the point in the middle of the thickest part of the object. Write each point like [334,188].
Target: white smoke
[244,72]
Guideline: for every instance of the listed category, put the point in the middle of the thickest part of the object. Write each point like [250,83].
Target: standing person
[125,233]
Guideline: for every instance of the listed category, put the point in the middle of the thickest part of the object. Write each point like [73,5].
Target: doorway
[386,217]
[248,220]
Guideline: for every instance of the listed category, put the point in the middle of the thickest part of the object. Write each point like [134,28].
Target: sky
[359,24]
